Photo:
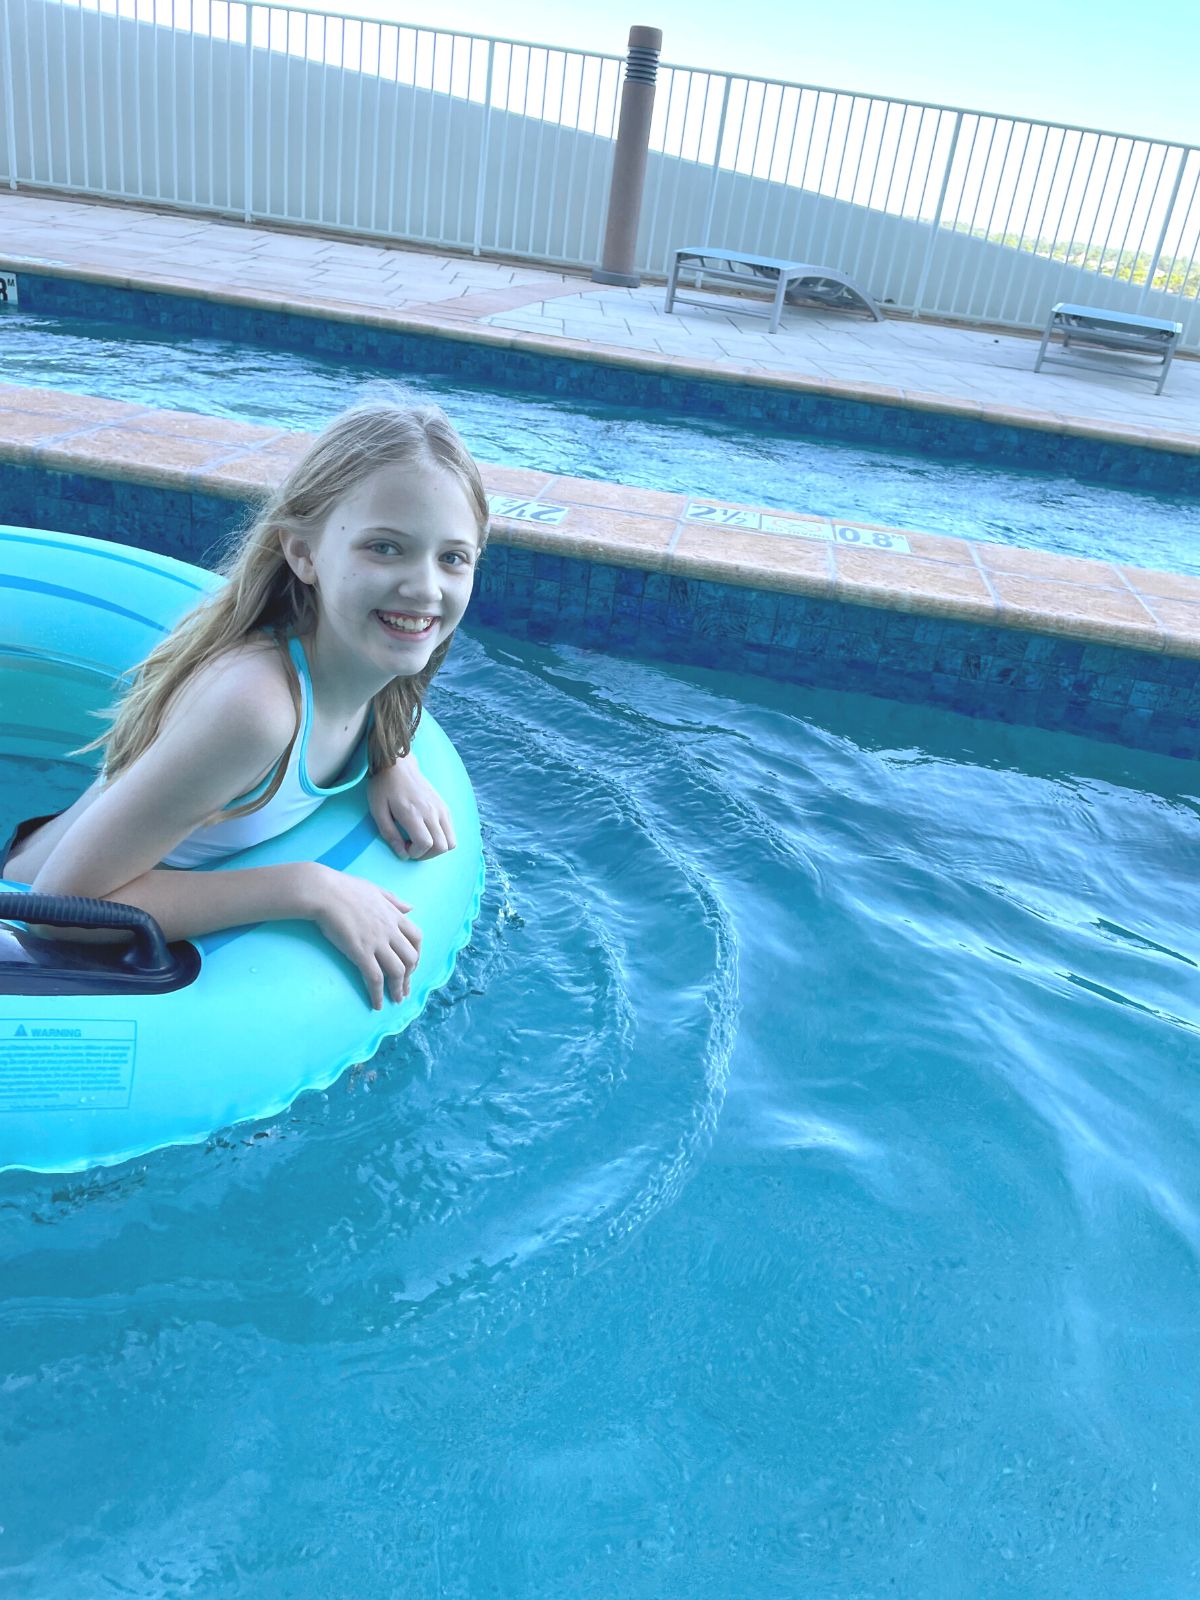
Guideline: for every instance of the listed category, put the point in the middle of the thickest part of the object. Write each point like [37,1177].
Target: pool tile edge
[730,372]
[1057,596]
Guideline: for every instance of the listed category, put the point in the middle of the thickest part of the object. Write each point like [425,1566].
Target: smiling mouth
[405,624]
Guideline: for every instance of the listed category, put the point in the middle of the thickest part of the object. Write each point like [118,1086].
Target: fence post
[711,206]
[629,160]
[937,219]
[10,77]
[483,149]
[248,193]
[1162,237]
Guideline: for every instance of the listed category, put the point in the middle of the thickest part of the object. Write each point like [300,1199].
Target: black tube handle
[148,953]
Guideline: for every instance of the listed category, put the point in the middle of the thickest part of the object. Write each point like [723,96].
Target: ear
[297,552]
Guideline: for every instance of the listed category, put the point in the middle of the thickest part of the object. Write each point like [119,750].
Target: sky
[1088,62]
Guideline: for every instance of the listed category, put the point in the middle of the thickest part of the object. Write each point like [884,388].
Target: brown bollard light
[629,160]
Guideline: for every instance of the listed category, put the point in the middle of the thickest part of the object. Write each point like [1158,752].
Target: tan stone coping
[1138,435]
[788,553]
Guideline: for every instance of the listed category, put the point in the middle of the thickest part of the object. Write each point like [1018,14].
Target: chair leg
[777,306]
[672,281]
[1041,355]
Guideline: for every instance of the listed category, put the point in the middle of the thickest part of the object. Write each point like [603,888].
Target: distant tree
[1179,277]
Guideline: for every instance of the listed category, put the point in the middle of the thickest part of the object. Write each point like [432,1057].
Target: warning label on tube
[66,1064]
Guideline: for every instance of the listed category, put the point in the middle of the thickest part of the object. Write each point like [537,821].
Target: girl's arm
[223,735]
[366,923]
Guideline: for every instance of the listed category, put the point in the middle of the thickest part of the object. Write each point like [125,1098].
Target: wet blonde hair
[263,594]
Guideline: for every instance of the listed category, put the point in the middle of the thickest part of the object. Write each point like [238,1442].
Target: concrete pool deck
[985,375]
[898,361]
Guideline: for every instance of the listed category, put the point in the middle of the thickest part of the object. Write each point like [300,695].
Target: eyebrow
[403,533]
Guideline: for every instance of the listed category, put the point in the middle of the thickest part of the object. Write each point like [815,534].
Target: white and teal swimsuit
[296,797]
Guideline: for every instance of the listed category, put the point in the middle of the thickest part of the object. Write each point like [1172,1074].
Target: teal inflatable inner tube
[273,1009]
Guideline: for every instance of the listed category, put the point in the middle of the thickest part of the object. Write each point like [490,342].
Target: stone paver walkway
[913,359]
[946,369]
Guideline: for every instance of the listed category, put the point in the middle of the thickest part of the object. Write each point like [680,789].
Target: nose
[418,583]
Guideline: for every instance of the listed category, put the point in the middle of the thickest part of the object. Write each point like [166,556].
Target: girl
[310,665]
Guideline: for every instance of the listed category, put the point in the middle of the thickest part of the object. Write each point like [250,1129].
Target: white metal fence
[935,209]
[295,115]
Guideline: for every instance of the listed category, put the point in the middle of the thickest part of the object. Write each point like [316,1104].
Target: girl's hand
[371,928]
[401,797]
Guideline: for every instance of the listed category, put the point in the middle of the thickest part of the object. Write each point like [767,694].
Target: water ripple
[811,1123]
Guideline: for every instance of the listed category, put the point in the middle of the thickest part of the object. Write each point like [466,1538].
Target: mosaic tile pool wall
[934,433]
[1147,700]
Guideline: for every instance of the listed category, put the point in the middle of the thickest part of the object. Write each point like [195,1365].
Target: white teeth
[407,624]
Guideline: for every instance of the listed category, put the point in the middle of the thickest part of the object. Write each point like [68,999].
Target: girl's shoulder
[249,691]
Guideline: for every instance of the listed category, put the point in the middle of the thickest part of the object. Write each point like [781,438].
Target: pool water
[796,1192]
[705,458]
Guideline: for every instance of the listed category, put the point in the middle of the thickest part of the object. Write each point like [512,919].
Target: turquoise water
[688,454]
[794,1194]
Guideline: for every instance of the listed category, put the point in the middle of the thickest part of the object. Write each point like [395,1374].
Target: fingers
[374,979]
[432,835]
[392,965]
[399,961]
[420,839]
[429,829]
[389,972]
[396,976]
[388,830]
[443,829]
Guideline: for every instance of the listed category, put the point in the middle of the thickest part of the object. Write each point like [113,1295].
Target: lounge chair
[1111,330]
[792,281]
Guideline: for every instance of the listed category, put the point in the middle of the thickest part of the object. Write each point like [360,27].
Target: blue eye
[457,557]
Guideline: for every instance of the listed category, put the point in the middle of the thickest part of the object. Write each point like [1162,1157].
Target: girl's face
[393,566]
